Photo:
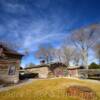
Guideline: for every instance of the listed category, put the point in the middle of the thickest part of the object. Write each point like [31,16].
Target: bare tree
[97,51]
[84,39]
[67,54]
[58,55]
[76,57]
[45,52]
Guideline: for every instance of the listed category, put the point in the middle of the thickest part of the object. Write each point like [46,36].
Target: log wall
[4,71]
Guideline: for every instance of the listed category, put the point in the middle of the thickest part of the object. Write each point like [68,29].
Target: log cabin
[9,64]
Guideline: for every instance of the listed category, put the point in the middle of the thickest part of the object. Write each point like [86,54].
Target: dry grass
[46,90]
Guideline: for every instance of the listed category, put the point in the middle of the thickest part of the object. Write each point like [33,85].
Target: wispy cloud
[42,5]
[30,35]
[29,25]
[12,6]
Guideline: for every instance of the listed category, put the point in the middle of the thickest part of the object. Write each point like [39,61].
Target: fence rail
[89,71]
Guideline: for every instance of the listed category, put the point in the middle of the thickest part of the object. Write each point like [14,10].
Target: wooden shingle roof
[8,50]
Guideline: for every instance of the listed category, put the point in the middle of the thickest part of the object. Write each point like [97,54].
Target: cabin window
[11,70]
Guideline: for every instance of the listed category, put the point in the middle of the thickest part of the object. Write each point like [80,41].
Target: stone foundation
[42,71]
[84,93]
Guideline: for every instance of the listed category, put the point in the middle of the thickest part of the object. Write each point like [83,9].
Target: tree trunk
[59,59]
[85,58]
[99,60]
[99,57]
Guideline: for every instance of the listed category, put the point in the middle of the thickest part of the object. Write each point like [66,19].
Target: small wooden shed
[9,64]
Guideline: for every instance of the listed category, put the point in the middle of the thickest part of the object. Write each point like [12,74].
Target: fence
[89,71]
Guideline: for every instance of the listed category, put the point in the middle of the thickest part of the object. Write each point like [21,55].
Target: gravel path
[17,85]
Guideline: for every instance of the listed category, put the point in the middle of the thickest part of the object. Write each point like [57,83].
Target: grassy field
[54,89]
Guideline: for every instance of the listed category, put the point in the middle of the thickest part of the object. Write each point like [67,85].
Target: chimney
[42,62]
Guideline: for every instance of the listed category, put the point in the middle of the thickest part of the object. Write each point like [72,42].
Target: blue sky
[32,22]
